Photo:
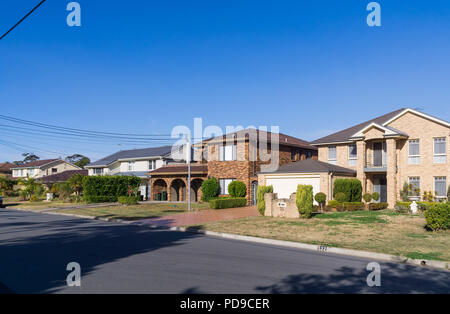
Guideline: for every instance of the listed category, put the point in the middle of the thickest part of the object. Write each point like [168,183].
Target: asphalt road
[118,258]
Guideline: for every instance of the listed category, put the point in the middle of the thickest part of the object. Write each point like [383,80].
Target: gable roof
[133,153]
[62,176]
[312,166]
[36,163]
[283,138]
[6,166]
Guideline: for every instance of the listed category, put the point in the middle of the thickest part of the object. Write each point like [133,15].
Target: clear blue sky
[310,67]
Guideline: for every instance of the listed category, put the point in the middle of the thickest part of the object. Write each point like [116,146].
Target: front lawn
[135,212]
[384,231]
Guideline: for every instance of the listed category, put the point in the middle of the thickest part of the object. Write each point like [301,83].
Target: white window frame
[409,182]
[131,165]
[352,161]
[152,164]
[227,152]
[413,159]
[31,172]
[223,183]
[332,160]
[445,186]
[98,171]
[440,158]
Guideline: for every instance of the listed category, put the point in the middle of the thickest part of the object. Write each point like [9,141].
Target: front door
[380,186]
[254,192]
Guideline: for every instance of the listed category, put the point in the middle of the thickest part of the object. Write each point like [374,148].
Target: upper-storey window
[440,151]
[413,151]
[151,164]
[332,154]
[131,166]
[352,155]
[227,153]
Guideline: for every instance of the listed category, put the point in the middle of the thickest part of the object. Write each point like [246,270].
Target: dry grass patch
[378,231]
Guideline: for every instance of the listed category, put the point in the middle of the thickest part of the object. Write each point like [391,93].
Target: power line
[22,19]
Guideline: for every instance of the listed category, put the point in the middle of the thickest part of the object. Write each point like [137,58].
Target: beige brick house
[402,146]
[233,156]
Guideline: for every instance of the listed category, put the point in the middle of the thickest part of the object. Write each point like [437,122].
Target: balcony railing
[375,166]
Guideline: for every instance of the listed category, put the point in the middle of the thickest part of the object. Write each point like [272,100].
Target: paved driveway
[199,217]
[118,258]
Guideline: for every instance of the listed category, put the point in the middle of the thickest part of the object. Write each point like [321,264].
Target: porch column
[361,157]
[391,173]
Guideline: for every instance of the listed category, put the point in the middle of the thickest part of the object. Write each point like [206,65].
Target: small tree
[304,200]
[210,188]
[237,189]
[404,192]
[376,196]
[367,197]
[261,203]
[320,198]
[76,183]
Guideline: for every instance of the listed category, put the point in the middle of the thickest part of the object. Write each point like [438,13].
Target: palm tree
[76,183]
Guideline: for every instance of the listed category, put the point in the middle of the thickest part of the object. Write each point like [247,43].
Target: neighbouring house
[233,156]
[136,162]
[61,177]
[405,145]
[41,168]
[320,175]
[5,169]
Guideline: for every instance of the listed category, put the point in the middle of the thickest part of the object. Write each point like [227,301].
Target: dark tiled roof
[6,166]
[180,169]
[343,136]
[283,138]
[62,176]
[312,166]
[36,163]
[133,153]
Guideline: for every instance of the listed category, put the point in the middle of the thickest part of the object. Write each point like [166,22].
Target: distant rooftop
[133,153]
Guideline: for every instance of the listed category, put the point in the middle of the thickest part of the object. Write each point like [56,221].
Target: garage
[284,186]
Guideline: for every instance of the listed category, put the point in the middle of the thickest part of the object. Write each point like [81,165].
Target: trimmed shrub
[376,196]
[227,202]
[108,188]
[237,189]
[304,200]
[352,188]
[341,197]
[438,217]
[128,200]
[334,204]
[378,206]
[261,204]
[352,206]
[320,198]
[210,188]
[402,207]
[367,197]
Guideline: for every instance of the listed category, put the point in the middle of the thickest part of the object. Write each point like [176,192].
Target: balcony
[375,166]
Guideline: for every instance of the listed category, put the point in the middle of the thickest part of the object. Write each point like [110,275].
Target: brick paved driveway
[199,217]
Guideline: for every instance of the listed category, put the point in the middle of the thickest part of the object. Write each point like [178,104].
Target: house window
[308,155]
[98,170]
[224,185]
[440,186]
[31,172]
[332,154]
[227,153]
[54,170]
[293,154]
[131,166]
[415,185]
[352,155]
[440,151]
[413,152]
[21,172]
[151,164]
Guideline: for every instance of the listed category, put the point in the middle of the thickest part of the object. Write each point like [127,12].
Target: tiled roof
[133,153]
[62,176]
[6,166]
[283,138]
[179,169]
[344,135]
[312,166]
[36,163]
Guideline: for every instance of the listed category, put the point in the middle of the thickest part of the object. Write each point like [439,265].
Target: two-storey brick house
[235,156]
[402,146]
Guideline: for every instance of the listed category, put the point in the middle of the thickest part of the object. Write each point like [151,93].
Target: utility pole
[188,160]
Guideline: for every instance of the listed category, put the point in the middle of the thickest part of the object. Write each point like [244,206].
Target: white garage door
[284,186]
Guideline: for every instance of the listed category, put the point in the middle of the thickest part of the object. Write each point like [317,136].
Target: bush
[367,197]
[448,194]
[128,200]
[378,206]
[320,198]
[352,188]
[438,217]
[376,196]
[237,189]
[341,197]
[108,188]
[210,188]
[227,202]
[402,207]
[334,204]
[261,204]
[304,200]
[352,206]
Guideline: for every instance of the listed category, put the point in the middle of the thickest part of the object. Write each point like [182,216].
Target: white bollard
[414,207]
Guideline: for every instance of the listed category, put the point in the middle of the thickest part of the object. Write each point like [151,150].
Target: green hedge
[261,204]
[128,200]
[108,188]
[352,189]
[438,217]
[378,206]
[210,188]
[227,202]
[237,189]
[346,206]
[304,200]
[404,206]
